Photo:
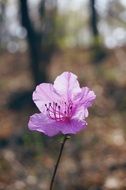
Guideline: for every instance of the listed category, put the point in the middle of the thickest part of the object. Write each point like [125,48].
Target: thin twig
[58,160]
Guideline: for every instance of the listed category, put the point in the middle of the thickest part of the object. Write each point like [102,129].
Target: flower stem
[58,160]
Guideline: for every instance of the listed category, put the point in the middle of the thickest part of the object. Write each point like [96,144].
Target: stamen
[70,107]
[59,112]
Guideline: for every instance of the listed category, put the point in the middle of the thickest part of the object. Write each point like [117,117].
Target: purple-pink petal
[85,97]
[67,85]
[81,112]
[73,126]
[41,123]
[43,94]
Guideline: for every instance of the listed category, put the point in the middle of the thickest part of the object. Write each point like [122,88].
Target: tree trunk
[93,18]
[99,52]
[34,43]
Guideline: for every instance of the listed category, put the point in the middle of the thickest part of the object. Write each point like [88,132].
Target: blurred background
[40,39]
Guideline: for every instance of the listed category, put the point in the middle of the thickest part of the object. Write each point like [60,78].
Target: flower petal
[43,94]
[73,126]
[85,98]
[41,123]
[81,113]
[67,85]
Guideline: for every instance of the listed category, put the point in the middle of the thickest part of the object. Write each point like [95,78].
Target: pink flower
[63,106]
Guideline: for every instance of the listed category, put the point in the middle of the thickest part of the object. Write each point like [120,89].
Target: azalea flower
[63,106]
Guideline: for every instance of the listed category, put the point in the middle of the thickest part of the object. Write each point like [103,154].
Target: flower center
[58,112]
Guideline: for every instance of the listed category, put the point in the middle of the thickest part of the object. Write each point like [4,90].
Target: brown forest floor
[94,159]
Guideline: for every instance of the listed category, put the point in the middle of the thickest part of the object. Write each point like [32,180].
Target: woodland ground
[94,159]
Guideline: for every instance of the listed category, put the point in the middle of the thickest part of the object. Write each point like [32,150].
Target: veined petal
[73,126]
[81,113]
[44,93]
[41,123]
[85,98]
[67,85]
